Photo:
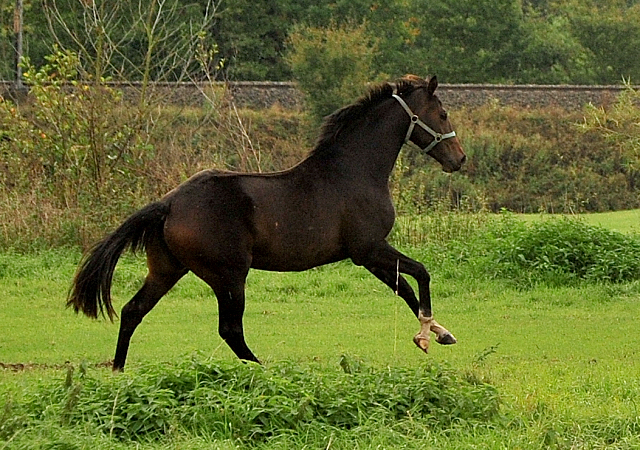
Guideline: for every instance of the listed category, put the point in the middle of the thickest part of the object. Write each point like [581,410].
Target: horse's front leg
[387,263]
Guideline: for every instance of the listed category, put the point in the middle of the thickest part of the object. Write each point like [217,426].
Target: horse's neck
[369,150]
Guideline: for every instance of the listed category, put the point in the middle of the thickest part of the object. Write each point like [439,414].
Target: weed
[482,356]
[564,251]
[248,402]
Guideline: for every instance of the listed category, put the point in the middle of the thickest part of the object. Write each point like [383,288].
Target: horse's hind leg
[164,273]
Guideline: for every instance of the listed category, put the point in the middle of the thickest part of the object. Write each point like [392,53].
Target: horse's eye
[443,115]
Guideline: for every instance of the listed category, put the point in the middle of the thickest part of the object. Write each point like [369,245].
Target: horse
[333,205]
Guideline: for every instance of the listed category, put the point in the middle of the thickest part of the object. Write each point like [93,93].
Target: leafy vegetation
[463,41]
[80,157]
[331,64]
[561,251]
[524,299]
[553,251]
[79,144]
[528,371]
[206,398]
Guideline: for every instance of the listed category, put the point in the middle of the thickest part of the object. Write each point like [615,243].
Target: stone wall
[528,96]
[261,95]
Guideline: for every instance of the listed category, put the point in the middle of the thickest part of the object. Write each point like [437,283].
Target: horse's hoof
[446,339]
[422,343]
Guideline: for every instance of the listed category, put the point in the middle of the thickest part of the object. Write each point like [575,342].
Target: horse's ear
[433,84]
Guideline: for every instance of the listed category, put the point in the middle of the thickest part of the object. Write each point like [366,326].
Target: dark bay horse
[333,205]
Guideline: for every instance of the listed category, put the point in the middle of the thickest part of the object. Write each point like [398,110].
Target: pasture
[561,352]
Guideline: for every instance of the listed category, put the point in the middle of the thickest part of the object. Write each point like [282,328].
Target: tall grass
[79,158]
[200,403]
[249,403]
[555,251]
[563,251]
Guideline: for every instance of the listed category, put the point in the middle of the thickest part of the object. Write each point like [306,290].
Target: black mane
[341,118]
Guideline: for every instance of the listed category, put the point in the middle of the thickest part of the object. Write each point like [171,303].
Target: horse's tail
[91,288]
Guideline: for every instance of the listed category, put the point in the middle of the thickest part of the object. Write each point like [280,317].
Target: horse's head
[430,128]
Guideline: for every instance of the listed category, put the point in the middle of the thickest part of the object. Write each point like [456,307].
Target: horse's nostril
[463,160]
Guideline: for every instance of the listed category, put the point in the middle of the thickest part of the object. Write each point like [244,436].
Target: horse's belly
[295,250]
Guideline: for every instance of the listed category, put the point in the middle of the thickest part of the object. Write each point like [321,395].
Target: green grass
[564,360]
[622,221]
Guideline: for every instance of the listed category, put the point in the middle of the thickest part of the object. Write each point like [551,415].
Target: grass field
[623,221]
[564,360]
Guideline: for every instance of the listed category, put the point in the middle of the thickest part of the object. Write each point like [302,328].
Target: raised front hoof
[446,339]
[421,342]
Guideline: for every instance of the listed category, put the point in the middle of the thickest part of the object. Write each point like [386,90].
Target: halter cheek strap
[415,120]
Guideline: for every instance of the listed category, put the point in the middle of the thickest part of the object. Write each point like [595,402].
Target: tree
[548,53]
[468,41]
[619,124]
[332,65]
[612,35]
[140,40]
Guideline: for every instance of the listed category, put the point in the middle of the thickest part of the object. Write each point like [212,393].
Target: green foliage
[530,161]
[78,156]
[79,132]
[505,41]
[252,37]
[456,35]
[618,124]
[541,161]
[550,54]
[72,146]
[611,33]
[562,251]
[332,65]
[561,361]
[554,251]
[141,40]
[248,402]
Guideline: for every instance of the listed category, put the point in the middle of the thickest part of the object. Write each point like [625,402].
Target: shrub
[248,402]
[560,251]
[78,157]
[332,65]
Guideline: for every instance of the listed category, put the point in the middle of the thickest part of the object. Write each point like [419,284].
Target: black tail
[91,289]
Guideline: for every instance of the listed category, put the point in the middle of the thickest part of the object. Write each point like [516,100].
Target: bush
[249,402]
[78,157]
[562,251]
[540,161]
[332,65]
